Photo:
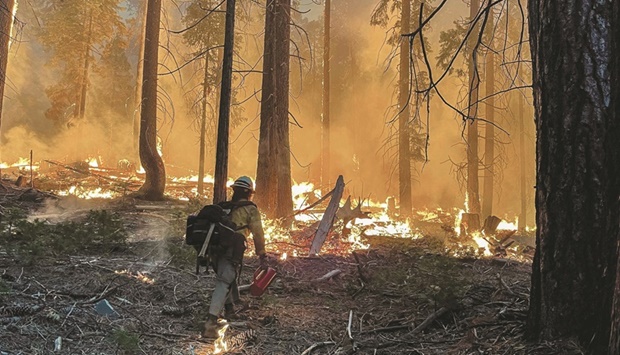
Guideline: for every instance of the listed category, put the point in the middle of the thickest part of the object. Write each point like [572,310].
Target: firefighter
[246,217]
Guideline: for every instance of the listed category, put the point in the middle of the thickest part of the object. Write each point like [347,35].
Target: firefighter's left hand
[267,260]
[264,262]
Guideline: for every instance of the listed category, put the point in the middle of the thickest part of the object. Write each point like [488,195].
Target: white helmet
[244,182]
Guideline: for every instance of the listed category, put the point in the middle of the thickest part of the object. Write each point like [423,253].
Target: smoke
[362,101]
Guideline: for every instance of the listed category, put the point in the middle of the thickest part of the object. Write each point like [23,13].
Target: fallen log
[428,321]
[314,204]
[329,275]
[328,218]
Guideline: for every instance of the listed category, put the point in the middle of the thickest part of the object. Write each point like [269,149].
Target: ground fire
[319,177]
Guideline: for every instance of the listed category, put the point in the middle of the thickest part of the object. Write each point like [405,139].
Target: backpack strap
[230,206]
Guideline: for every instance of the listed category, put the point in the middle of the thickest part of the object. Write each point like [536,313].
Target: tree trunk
[138,97]
[155,182]
[6,22]
[404,127]
[614,339]
[284,203]
[273,176]
[578,165]
[223,127]
[523,214]
[265,182]
[489,134]
[472,198]
[84,79]
[203,128]
[325,151]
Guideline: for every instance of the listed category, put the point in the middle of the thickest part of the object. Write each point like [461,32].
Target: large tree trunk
[223,127]
[155,182]
[265,182]
[489,132]
[404,127]
[6,22]
[203,128]
[614,339]
[138,89]
[284,203]
[472,198]
[273,175]
[578,165]
[325,141]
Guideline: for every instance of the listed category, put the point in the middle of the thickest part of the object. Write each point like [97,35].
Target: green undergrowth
[126,341]
[419,269]
[99,231]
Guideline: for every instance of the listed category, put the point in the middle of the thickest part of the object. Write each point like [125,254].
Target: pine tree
[410,142]
[71,31]
[155,181]
[575,268]
[273,176]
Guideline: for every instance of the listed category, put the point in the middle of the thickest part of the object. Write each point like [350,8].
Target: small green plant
[9,217]
[106,228]
[182,255]
[127,342]
[98,231]
[4,288]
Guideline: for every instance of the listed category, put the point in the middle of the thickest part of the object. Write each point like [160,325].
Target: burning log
[328,218]
[346,213]
[470,222]
[314,204]
[490,225]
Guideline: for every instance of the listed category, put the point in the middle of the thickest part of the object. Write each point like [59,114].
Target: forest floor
[399,296]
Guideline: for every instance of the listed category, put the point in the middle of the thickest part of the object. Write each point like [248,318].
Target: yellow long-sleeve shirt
[250,217]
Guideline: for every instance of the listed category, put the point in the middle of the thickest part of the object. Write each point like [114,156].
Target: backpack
[211,232]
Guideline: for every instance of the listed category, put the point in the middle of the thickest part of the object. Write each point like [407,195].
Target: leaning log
[490,225]
[328,218]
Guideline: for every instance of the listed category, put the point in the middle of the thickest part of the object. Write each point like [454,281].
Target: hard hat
[244,182]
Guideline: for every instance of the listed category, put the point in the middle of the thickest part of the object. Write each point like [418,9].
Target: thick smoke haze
[364,84]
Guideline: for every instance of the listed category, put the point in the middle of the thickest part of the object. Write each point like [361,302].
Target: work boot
[213,327]
[229,311]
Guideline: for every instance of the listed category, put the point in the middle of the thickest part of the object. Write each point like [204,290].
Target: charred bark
[578,169]
[489,131]
[273,176]
[223,126]
[473,198]
[404,127]
[614,338]
[6,21]
[155,181]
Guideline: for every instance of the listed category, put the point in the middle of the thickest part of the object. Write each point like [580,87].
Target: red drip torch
[262,279]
